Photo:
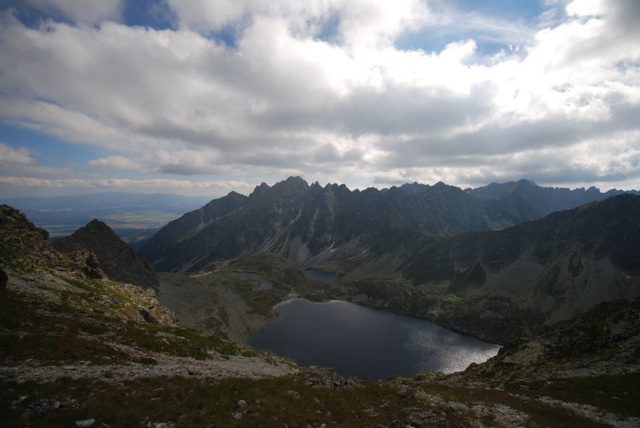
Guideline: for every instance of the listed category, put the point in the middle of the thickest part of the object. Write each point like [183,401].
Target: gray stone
[85,423]
[385,403]
[294,394]
[405,392]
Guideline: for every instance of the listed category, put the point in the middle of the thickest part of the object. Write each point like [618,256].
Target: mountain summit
[308,224]
[115,257]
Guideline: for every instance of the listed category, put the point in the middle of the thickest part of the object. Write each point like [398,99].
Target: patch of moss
[261,302]
[193,402]
[57,333]
[539,413]
[616,394]
[47,332]
[180,342]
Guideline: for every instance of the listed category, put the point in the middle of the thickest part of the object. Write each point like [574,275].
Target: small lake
[318,275]
[367,343]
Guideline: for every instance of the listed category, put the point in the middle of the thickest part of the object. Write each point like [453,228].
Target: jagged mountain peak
[291,187]
[115,257]
[260,190]
[526,182]
[444,188]
[234,197]
[301,222]
[414,188]
[594,189]
[292,182]
[97,226]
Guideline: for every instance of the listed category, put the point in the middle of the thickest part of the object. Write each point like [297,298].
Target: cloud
[319,88]
[359,23]
[116,162]
[586,8]
[23,162]
[121,183]
[12,156]
[83,11]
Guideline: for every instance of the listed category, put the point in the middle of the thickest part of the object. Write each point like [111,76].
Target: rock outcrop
[604,340]
[114,256]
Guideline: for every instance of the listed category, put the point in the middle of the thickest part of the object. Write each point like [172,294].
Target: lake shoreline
[365,342]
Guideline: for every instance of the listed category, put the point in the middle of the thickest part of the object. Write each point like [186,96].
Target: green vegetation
[539,413]
[261,302]
[284,277]
[616,394]
[59,317]
[59,334]
[49,332]
[292,401]
[193,402]
[179,342]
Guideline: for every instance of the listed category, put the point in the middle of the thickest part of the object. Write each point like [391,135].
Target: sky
[201,97]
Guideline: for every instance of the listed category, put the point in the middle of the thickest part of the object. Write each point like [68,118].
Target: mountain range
[309,223]
[498,262]
[77,344]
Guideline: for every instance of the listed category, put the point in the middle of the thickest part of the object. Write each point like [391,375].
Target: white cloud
[360,23]
[80,11]
[289,98]
[116,162]
[122,183]
[586,8]
[10,155]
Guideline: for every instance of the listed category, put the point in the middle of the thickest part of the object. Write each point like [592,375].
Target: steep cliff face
[502,284]
[22,244]
[519,201]
[114,256]
[564,246]
[207,233]
[311,224]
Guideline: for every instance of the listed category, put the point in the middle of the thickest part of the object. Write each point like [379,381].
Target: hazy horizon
[252,187]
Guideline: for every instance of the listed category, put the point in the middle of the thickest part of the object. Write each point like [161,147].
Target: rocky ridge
[63,318]
[311,224]
[114,256]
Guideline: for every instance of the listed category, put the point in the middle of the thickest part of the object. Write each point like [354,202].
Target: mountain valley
[395,249]
[83,344]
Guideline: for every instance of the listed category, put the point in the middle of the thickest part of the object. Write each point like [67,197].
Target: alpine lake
[367,343]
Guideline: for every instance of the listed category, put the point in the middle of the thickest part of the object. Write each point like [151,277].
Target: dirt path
[235,366]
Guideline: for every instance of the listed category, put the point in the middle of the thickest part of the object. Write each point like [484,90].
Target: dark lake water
[364,342]
[319,275]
